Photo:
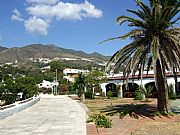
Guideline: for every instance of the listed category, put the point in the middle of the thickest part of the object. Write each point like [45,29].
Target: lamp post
[56,82]
[55,88]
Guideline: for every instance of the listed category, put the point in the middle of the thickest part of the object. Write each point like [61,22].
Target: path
[51,116]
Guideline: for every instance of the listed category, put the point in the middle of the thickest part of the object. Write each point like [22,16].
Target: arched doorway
[129,91]
[154,91]
[111,87]
[178,88]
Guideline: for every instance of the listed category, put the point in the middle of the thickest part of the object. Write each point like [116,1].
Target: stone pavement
[57,115]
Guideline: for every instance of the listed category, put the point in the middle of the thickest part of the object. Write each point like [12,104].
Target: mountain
[2,48]
[22,54]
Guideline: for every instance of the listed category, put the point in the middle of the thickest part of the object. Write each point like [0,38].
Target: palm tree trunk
[83,97]
[162,88]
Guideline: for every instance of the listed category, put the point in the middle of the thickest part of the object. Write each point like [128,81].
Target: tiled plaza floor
[58,115]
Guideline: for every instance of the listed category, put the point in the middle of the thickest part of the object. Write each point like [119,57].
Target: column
[120,91]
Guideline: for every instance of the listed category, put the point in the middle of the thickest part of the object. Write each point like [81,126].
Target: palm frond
[145,9]
[138,13]
[132,33]
[122,19]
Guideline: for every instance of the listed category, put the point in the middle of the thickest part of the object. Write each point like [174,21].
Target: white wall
[137,81]
[47,84]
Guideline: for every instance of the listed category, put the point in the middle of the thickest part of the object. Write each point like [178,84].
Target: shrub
[88,95]
[63,88]
[100,120]
[171,92]
[102,94]
[45,90]
[109,94]
[138,95]
[146,92]
[9,98]
[149,91]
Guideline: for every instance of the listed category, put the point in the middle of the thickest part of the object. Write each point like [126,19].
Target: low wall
[9,110]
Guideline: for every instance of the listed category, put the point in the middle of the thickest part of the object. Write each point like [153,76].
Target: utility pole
[56,75]
[56,84]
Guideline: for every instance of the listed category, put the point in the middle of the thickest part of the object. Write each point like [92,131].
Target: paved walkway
[51,116]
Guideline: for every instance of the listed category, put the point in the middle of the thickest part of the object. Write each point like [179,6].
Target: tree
[10,85]
[155,42]
[1,77]
[80,85]
[27,85]
[57,67]
[94,78]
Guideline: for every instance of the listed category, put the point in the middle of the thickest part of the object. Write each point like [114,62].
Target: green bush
[88,95]
[109,94]
[102,94]
[9,98]
[149,91]
[63,88]
[80,93]
[177,95]
[45,90]
[100,120]
[171,92]
[138,95]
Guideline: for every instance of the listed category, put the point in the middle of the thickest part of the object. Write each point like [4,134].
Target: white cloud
[43,12]
[16,16]
[16,12]
[49,2]
[66,11]
[36,25]
[40,11]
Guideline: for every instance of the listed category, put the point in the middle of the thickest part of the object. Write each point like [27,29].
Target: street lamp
[55,88]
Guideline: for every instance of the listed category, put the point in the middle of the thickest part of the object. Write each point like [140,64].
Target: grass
[159,128]
[123,110]
[116,106]
[144,112]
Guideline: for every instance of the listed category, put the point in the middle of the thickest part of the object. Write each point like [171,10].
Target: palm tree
[155,43]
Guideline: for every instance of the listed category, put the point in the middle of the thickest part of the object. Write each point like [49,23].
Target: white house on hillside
[70,74]
[47,84]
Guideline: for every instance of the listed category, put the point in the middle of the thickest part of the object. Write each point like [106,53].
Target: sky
[71,24]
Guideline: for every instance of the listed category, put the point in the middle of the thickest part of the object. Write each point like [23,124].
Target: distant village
[69,73]
[57,76]
[50,79]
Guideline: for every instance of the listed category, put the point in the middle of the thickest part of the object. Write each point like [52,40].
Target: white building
[69,59]
[84,59]
[117,80]
[40,60]
[45,68]
[69,71]
[47,84]
[70,74]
